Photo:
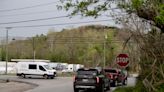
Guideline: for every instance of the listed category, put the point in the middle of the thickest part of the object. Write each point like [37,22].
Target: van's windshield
[47,67]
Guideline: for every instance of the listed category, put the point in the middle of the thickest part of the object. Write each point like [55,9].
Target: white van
[24,69]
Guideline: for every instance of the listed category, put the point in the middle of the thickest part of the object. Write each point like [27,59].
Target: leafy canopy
[151,10]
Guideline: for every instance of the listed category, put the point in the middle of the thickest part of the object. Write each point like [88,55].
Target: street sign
[122,60]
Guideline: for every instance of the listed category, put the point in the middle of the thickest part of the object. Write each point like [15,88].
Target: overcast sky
[43,11]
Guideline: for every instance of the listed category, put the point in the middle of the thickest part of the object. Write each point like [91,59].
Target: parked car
[94,79]
[116,76]
[25,69]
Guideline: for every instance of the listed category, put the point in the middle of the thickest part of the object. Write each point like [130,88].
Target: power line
[29,13]
[40,19]
[39,12]
[35,20]
[39,5]
[70,23]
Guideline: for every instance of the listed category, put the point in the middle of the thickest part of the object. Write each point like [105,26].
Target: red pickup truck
[116,76]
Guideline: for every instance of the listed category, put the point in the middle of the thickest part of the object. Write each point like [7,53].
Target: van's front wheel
[22,76]
[45,76]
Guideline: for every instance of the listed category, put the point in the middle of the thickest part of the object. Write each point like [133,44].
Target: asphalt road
[59,84]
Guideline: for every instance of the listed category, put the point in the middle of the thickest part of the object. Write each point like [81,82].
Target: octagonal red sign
[122,60]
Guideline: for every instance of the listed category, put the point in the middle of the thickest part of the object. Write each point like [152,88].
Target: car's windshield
[87,73]
[110,71]
[47,67]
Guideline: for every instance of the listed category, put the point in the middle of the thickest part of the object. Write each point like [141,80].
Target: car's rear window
[110,71]
[87,72]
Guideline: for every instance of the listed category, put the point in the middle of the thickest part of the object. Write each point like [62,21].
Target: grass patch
[161,88]
[138,88]
[125,89]
[68,74]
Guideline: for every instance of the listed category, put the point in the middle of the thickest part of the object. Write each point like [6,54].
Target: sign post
[122,60]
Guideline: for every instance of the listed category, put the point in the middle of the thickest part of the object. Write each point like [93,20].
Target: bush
[138,88]
[126,89]
[161,88]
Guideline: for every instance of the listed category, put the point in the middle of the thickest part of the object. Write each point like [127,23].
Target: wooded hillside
[83,45]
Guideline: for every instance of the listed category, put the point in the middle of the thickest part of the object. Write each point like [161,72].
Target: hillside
[78,45]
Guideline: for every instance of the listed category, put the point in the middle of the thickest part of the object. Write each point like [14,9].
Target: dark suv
[116,76]
[94,79]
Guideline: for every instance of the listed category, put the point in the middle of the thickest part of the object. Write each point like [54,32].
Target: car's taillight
[97,79]
[111,76]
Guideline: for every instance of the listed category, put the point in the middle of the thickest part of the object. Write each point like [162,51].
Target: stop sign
[122,60]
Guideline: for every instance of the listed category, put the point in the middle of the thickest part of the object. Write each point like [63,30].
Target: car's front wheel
[115,83]
[76,90]
[125,82]
[108,87]
[100,89]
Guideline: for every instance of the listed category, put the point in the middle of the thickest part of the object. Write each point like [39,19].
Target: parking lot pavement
[59,84]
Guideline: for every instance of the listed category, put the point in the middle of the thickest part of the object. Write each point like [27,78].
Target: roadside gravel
[14,86]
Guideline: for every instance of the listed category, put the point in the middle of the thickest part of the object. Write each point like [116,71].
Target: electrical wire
[41,19]
[39,12]
[39,5]
[59,24]
[29,13]
[35,20]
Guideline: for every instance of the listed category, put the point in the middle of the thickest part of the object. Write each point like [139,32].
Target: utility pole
[105,37]
[52,44]
[33,44]
[7,38]
[1,49]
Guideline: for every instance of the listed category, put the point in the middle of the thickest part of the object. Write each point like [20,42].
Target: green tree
[151,45]
[151,10]
[2,53]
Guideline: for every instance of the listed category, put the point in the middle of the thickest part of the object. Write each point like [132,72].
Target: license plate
[85,80]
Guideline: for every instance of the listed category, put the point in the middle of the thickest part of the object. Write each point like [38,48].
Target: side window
[41,68]
[103,72]
[98,72]
[32,66]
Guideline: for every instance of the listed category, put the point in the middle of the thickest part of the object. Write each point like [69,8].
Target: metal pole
[33,49]
[1,49]
[104,53]
[105,50]
[7,28]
